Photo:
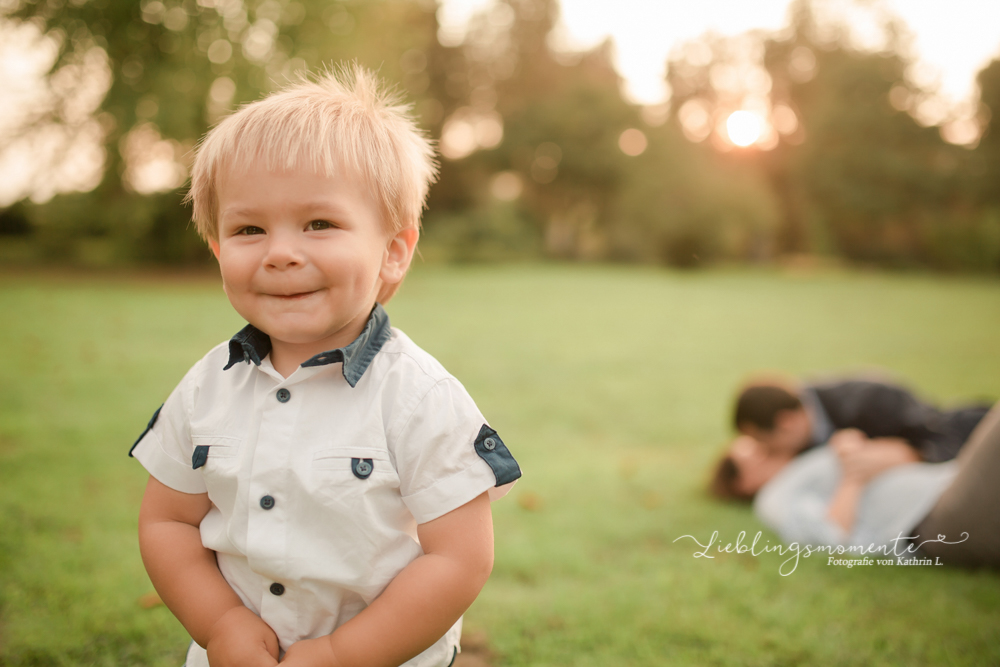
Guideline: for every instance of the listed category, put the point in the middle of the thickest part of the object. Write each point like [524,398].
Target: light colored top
[318,485]
[796,502]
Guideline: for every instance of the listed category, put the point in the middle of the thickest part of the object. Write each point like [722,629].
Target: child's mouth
[293,297]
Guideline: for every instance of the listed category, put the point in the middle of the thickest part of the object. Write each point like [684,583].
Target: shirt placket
[270,503]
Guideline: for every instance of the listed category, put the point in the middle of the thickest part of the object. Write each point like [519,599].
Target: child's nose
[283,251]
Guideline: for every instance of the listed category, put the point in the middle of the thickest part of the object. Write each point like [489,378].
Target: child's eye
[250,230]
[316,225]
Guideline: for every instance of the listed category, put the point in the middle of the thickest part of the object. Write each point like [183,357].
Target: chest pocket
[218,459]
[360,462]
[345,475]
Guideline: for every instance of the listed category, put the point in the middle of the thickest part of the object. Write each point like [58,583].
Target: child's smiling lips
[293,297]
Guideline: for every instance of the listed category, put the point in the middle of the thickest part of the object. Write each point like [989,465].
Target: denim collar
[252,345]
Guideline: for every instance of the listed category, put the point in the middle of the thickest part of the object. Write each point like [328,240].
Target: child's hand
[241,639]
[311,653]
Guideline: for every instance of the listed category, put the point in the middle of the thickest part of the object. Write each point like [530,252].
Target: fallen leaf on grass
[651,500]
[530,501]
[150,600]
[628,467]
[475,640]
[73,534]
[470,660]
[475,650]
[555,622]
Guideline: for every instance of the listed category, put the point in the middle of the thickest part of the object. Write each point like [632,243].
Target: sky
[953,39]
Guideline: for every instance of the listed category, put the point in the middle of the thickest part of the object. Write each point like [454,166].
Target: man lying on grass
[878,498]
[858,464]
[779,420]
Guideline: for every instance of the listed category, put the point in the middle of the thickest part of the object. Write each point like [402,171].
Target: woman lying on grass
[788,418]
[878,497]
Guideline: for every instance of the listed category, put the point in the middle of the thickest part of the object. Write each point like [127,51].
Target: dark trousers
[971,504]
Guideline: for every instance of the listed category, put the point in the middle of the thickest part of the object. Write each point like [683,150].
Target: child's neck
[286,357]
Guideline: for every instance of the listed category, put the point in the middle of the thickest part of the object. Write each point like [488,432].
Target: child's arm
[187,577]
[421,603]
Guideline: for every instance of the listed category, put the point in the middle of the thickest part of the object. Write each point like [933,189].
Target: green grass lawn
[610,385]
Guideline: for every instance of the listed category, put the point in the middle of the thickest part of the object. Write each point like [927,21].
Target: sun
[744,127]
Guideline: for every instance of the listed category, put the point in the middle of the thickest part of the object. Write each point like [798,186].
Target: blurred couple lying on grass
[866,465]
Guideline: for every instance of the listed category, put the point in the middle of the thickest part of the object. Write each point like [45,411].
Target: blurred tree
[686,204]
[988,151]
[983,168]
[851,169]
[867,172]
[541,152]
[562,130]
[561,117]
[175,67]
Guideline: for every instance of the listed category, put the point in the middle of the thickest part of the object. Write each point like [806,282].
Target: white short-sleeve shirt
[318,480]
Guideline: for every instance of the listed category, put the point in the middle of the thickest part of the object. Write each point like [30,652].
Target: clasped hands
[863,458]
[241,639]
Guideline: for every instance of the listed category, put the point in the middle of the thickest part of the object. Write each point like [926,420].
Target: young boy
[319,486]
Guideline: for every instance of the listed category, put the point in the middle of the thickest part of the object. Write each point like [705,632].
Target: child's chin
[296,337]
[299,336]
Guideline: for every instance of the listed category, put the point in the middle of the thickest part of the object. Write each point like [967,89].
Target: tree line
[543,157]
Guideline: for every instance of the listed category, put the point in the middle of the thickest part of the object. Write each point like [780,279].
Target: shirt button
[490,444]
[267,502]
[283,395]
[277,589]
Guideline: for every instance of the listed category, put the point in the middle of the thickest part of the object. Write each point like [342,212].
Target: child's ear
[398,255]
[214,245]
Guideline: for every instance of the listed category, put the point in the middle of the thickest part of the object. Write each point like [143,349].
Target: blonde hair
[345,118]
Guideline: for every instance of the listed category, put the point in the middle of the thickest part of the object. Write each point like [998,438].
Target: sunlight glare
[744,127]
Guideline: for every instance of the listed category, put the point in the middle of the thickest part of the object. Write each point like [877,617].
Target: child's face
[303,255]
